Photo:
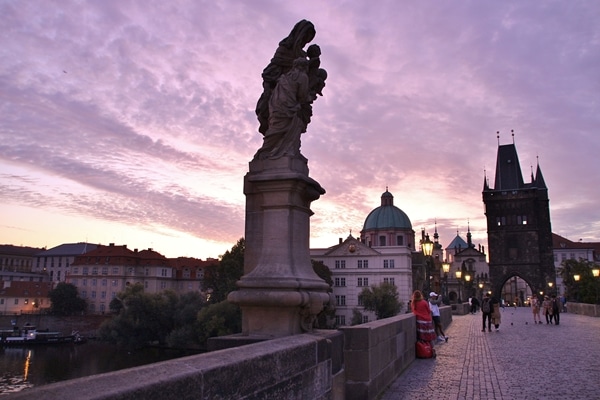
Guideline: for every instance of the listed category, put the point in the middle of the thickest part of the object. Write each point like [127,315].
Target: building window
[399,240]
[104,270]
[163,272]
[95,271]
[93,294]
[163,285]
[186,273]
[84,282]
[115,270]
[340,300]
[381,240]
[365,319]
[340,320]
[85,270]
[363,281]
[389,280]
[340,264]
[388,264]
[563,256]
[363,263]
[340,282]
[103,282]
[103,295]
[75,270]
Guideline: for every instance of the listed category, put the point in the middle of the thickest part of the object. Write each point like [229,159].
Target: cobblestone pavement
[521,361]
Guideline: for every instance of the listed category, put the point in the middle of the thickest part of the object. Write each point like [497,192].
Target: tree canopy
[587,289]
[220,279]
[65,300]
[382,299]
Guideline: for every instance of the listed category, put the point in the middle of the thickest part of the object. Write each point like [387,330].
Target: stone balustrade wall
[356,362]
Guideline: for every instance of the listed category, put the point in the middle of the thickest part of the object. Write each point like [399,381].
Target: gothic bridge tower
[518,224]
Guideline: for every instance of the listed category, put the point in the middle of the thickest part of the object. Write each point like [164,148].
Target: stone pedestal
[279,294]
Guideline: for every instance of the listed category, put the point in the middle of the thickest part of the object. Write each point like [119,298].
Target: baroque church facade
[382,253]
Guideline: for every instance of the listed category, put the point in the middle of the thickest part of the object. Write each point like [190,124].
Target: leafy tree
[218,319]
[326,318]
[145,318]
[586,290]
[382,299]
[65,300]
[115,305]
[221,279]
[322,271]
[357,317]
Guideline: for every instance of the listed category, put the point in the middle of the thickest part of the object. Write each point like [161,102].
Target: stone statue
[291,82]
[287,113]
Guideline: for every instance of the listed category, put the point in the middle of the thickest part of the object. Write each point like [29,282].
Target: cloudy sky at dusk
[132,122]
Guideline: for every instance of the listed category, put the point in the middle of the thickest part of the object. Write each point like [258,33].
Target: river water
[26,367]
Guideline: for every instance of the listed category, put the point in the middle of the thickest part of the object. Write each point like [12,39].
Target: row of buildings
[99,272]
[524,256]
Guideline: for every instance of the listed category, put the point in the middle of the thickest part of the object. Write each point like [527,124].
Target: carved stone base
[279,294]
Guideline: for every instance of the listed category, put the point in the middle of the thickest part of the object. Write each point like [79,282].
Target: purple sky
[132,122]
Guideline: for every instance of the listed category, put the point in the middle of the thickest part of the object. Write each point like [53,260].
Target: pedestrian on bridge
[422,311]
[535,308]
[434,303]
[547,307]
[486,311]
[496,313]
[556,306]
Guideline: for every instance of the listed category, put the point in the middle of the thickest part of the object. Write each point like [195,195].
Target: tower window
[381,240]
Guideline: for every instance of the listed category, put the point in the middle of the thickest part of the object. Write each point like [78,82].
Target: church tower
[518,224]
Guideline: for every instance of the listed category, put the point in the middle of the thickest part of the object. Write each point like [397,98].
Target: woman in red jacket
[420,307]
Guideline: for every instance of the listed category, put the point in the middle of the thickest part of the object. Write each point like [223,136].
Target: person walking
[425,329]
[496,313]
[434,304]
[547,309]
[486,310]
[535,309]
[556,306]
[474,305]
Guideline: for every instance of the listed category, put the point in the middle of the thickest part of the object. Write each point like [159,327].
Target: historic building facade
[56,262]
[383,253]
[102,273]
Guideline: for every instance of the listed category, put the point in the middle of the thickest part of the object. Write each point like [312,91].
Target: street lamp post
[446,269]
[596,273]
[458,278]
[577,277]
[468,284]
[427,248]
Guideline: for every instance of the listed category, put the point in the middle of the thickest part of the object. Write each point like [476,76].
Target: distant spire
[513,135]
[532,178]
[435,234]
[498,137]
[485,181]
[469,241]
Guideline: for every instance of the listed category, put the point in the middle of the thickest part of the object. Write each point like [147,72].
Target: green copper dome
[387,216]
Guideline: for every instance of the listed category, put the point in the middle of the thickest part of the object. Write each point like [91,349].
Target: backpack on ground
[424,349]
[485,306]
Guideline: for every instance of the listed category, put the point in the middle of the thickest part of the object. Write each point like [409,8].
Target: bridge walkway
[522,360]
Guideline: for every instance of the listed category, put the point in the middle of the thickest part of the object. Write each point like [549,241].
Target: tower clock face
[352,248]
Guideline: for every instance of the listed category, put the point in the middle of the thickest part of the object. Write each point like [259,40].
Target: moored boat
[29,335]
